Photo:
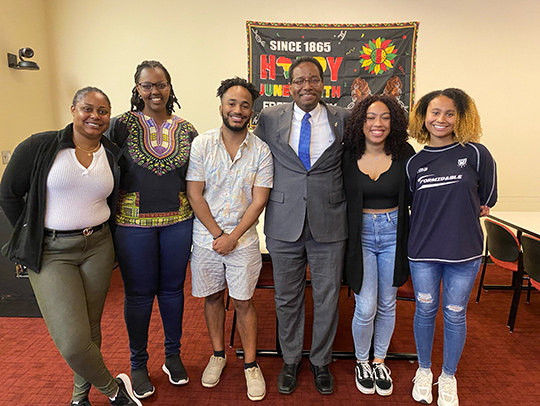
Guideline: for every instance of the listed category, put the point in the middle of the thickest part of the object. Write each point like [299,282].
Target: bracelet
[222,232]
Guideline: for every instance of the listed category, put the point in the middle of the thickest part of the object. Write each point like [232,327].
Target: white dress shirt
[321,132]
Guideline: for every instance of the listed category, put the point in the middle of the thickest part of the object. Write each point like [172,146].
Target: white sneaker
[212,372]
[447,392]
[423,382]
[256,386]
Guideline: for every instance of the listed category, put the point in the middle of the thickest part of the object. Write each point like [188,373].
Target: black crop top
[382,193]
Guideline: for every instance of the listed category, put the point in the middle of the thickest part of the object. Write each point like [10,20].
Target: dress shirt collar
[315,113]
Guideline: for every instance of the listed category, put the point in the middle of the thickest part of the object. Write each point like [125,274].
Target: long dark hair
[355,139]
[137,103]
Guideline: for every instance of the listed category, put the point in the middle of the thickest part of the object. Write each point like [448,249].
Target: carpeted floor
[497,368]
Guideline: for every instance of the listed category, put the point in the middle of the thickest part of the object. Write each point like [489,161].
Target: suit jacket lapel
[335,125]
[284,132]
[285,123]
[333,120]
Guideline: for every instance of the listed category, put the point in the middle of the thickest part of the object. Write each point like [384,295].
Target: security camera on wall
[23,63]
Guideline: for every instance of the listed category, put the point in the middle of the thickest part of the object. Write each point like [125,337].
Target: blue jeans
[375,305]
[457,283]
[153,262]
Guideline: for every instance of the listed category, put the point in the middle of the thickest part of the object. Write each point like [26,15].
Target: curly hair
[467,127]
[236,81]
[396,141]
[137,103]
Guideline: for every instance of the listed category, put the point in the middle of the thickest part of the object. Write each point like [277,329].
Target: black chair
[504,249]
[531,258]
[529,262]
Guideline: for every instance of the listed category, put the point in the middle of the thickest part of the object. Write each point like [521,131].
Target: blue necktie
[305,140]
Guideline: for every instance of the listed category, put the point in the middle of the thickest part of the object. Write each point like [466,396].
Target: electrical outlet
[6,155]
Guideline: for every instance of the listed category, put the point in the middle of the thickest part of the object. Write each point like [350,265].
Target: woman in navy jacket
[453,182]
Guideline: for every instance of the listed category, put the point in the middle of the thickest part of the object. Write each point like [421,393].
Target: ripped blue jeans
[457,283]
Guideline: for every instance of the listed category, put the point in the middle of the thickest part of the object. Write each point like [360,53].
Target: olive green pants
[71,290]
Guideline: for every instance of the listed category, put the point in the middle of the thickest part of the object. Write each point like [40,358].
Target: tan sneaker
[256,386]
[212,372]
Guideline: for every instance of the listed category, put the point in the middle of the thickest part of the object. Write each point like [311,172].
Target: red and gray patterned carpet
[497,368]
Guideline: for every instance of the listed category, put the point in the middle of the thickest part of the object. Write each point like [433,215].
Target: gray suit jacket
[318,192]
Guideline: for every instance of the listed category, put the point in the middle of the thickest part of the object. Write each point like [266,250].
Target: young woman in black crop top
[376,264]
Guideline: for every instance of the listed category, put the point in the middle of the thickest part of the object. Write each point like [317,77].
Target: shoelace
[381,371]
[447,385]
[253,373]
[422,379]
[365,370]
[215,361]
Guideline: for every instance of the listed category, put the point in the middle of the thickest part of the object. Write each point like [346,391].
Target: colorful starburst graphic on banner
[378,55]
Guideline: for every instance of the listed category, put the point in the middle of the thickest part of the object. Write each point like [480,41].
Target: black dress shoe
[324,381]
[288,378]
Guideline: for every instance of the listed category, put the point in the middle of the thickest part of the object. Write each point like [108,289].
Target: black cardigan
[354,261]
[24,186]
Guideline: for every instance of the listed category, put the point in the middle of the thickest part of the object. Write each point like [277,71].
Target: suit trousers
[289,261]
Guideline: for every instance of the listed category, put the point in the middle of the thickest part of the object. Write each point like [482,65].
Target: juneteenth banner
[357,59]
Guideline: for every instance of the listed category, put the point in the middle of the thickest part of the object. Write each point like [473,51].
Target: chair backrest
[531,256]
[502,243]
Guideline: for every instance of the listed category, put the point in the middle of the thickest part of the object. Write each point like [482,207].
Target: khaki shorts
[239,271]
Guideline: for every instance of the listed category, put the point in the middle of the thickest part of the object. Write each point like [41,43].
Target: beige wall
[26,104]
[486,47]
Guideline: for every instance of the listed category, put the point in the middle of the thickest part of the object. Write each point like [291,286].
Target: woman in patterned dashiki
[154,218]
[453,182]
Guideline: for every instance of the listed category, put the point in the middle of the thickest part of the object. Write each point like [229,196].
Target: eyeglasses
[313,81]
[147,86]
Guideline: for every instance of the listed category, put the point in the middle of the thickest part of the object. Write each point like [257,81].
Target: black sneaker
[84,402]
[125,396]
[142,387]
[383,382]
[175,369]
[364,378]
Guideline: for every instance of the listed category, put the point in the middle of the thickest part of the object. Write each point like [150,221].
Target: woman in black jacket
[58,191]
[376,263]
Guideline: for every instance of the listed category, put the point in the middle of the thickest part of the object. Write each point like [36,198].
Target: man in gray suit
[306,219]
